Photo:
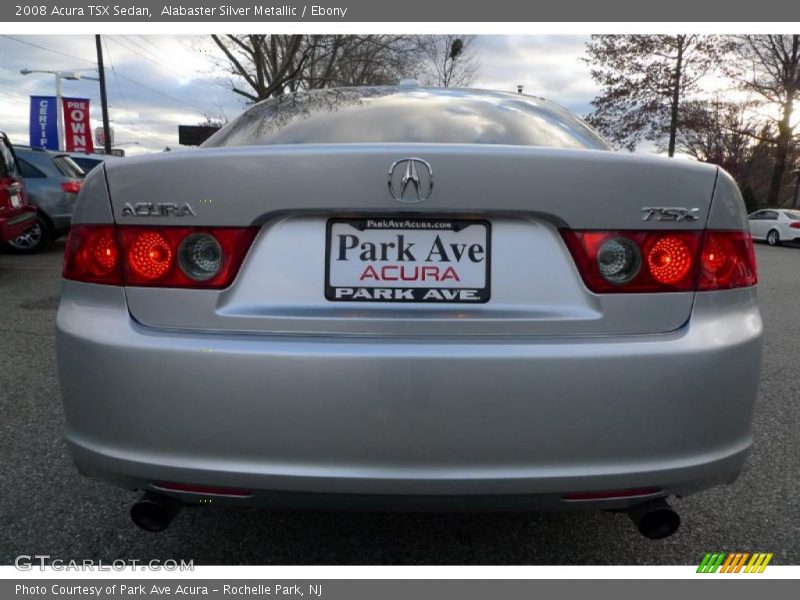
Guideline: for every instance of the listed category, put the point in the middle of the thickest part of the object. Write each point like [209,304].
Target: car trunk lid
[296,194]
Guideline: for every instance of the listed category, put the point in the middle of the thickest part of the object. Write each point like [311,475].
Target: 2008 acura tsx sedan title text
[409,298]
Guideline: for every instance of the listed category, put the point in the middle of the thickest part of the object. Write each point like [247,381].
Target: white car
[775,225]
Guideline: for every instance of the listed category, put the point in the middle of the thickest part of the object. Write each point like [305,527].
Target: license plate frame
[405,223]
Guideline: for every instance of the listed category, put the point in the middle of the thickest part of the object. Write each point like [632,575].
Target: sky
[156,83]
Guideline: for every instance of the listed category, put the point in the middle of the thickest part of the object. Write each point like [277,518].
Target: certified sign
[397,259]
[43,122]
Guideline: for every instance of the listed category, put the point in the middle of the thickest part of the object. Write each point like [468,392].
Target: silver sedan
[409,298]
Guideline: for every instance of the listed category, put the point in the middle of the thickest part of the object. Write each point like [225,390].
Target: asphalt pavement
[46,507]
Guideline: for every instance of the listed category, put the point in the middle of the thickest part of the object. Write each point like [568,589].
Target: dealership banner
[77,130]
[43,128]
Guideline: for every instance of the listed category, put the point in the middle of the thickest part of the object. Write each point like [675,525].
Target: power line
[116,82]
[161,49]
[160,93]
[160,65]
[9,37]
[114,71]
[152,43]
[157,61]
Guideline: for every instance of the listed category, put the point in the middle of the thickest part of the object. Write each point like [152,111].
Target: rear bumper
[13,226]
[419,418]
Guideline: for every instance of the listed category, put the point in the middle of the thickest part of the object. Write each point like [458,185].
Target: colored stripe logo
[735,562]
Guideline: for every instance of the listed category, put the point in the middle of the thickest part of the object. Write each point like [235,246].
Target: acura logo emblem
[410,180]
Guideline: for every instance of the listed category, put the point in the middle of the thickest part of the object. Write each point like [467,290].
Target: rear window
[87,164]
[29,171]
[794,215]
[68,167]
[403,115]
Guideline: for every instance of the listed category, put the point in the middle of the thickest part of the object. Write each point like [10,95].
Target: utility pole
[59,114]
[103,97]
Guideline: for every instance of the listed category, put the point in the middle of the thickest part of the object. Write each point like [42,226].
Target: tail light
[71,187]
[670,259]
[185,257]
[619,260]
[92,254]
[728,261]
[795,225]
[662,261]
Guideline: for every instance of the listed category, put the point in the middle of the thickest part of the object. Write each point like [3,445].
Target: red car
[15,214]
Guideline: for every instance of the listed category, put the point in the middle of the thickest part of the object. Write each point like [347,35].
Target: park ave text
[302,11]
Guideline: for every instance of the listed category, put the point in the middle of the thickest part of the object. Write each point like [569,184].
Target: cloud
[156,83]
[547,66]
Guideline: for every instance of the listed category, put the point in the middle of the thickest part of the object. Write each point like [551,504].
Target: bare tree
[645,78]
[728,134]
[270,65]
[266,63]
[375,60]
[211,121]
[769,65]
[719,132]
[449,60]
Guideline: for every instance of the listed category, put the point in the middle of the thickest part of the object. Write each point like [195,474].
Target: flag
[77,130]
[43,128]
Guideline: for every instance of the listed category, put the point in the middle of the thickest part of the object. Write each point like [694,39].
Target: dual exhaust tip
[654,519]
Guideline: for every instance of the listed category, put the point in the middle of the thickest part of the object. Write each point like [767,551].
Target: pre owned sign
[77,131]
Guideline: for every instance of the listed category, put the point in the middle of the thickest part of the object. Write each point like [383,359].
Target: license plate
[14,199]
[399,259]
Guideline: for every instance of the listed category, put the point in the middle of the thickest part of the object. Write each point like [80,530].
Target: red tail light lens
[668,263]
[728,261]
[146,256]
[795,225]
[149,255]
[672,261]
[92,255]
[71,187]
[153,255]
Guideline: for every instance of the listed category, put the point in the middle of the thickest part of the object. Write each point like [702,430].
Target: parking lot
[47,508]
